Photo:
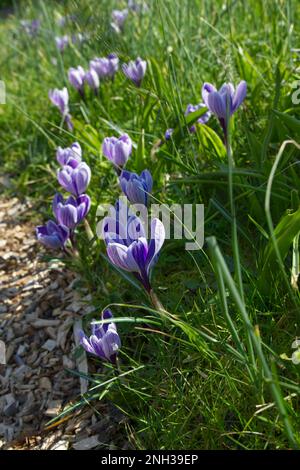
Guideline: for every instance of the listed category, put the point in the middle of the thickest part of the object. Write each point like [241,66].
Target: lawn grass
[211,374]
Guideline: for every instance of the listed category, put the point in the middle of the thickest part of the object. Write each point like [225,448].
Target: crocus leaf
[292,123]
[285,232]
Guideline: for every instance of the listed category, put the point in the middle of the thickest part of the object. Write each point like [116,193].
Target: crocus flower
[105,66]
[202,120]
[92,79]
[74,180]
[104,341]
[117,150]
[52,235]
[135,70]
[60,99]
[225,102]
[76,78]
[134,253]
[31,27]
[62,42]
[69,156]
[119,17]
[72,211]
[136,188]
[169,133]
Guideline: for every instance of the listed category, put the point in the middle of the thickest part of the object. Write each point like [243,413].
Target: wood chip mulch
[38,308]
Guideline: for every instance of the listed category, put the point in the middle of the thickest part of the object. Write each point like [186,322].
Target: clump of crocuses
[225,101]
[104,341]
[117,150]
[60,99]
[127,245]
[135,70]
[136,188]
[74,176]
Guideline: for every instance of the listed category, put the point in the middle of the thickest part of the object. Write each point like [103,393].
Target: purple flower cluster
[74,176]
[202,120]
[106,67]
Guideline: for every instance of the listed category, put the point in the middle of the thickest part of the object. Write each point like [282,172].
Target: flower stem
[156,302]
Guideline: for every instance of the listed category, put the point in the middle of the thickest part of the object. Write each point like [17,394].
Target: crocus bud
[62,42]
[92,79]
[225,102]
[60,99]
[52,235]
[117,150]
[119,17]
[74,180]
[72,211]
[203,119]
[136,188]
[76,78]
[69,156]
[135,70]
[104,341]
[169,133]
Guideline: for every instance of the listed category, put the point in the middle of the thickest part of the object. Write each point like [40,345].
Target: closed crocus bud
[136,188]
[168,133]
[69,156]
[113,64]
[104,341]
[117,150]
[72,211]
[76,78]
[74,180]
[62,42]
[225,102]
[92,79]
[60,99]
[203,119]
[135,70]
[119,17]
[52,235]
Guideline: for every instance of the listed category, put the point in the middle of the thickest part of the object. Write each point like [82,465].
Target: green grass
[211,376]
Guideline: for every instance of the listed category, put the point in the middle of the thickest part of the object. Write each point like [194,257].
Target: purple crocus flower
[52,235]
[105,66]
[225,102]
[74,180]
[104,341]
[76,78]
[117,150]
[134,253]
[202,120]
[135,70]
[168,133]
[72,211]
[31,27]
[119,17]
[62,42]
[69,156]
[136,188]
[92,79]
[60,99]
